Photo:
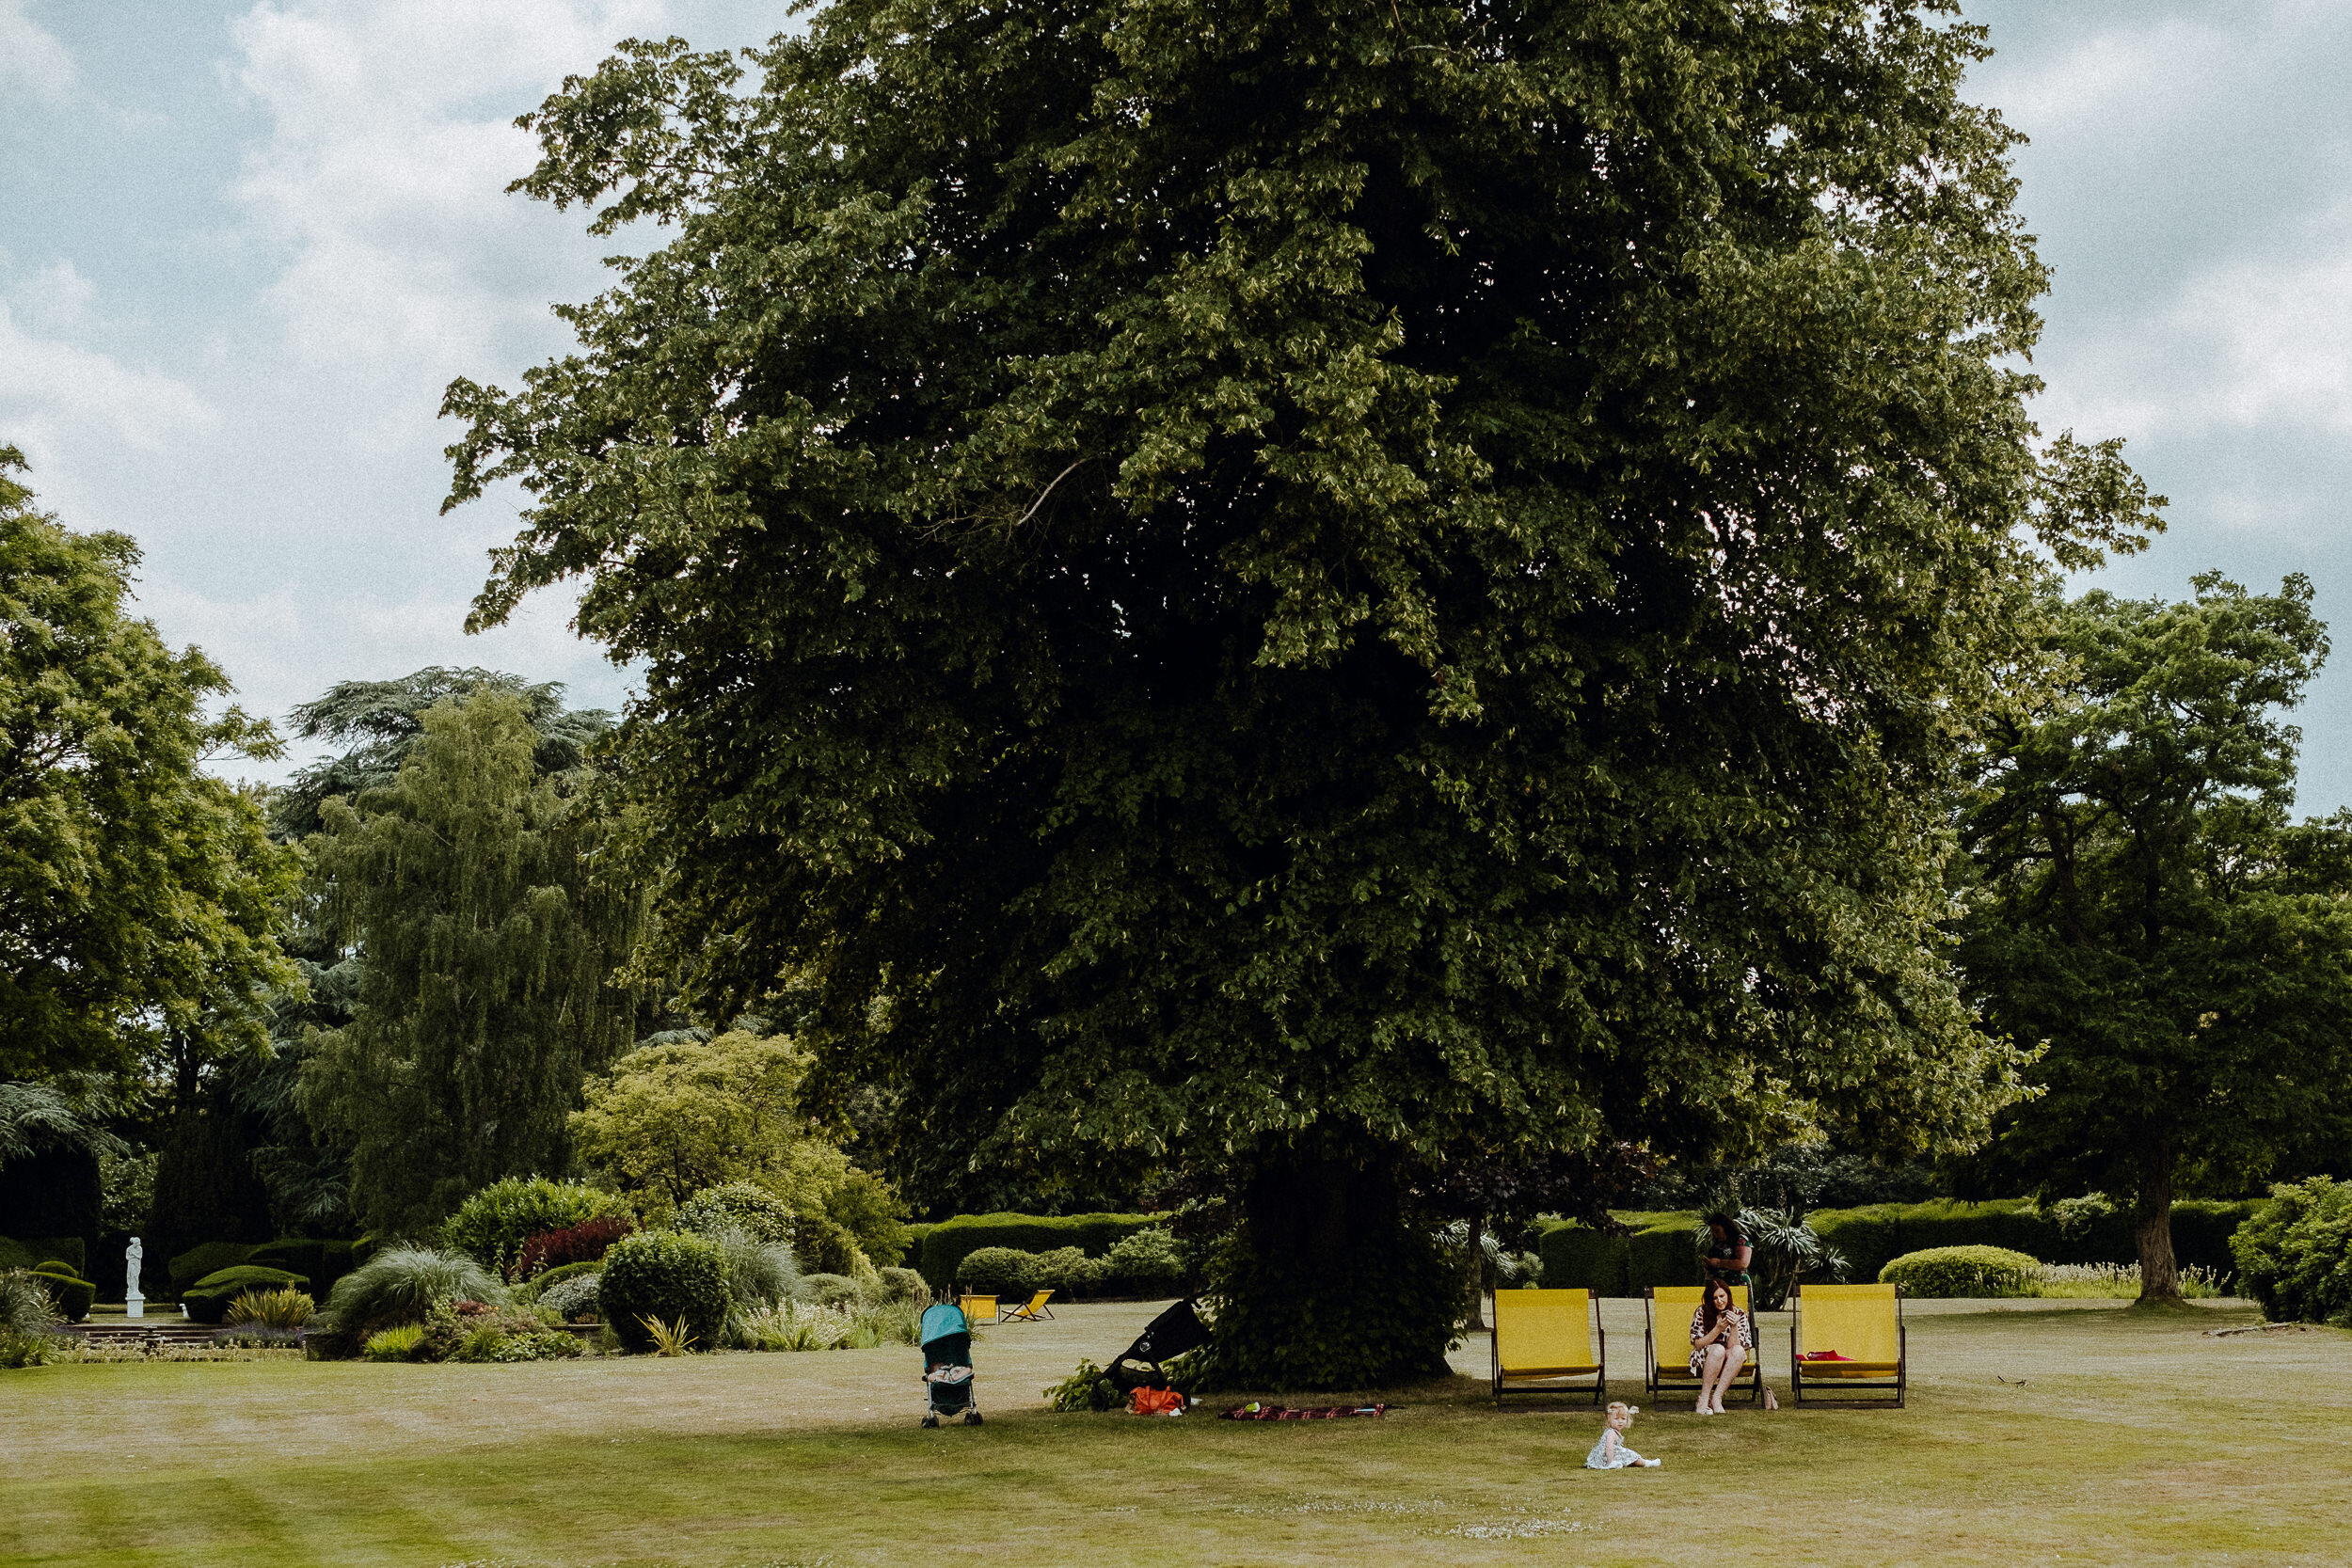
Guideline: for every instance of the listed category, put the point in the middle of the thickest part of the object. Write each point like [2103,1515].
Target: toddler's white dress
[1608,1456]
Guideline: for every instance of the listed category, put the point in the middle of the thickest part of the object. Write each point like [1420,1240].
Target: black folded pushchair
[947,1338]
[1166,1336]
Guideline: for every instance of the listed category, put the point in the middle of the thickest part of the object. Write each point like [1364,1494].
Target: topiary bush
[491,1226]
[831,1290]
[74,1293]
[207,1257]
[903,1285]
[1950,1272]
[399,1285]
[1149,1263]
[207,1300]
[1000,1271]
[2294,1255]
[665,1275]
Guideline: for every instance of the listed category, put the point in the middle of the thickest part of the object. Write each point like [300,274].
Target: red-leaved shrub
[584,1242]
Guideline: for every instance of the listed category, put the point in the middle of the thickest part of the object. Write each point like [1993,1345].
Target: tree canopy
[137,893]
[2148,911]
[1288,591]
[485,948]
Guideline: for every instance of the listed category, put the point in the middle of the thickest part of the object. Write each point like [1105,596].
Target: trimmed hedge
[75,1294]
[325,1262]
[1949,1272]
[1873,1237]
[944,1246]
[34,1251]
[204,1259]
[207,1300]
[665,1274]
[1661,1252]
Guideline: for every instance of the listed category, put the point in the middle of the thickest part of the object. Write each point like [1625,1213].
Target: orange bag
[1158,1402]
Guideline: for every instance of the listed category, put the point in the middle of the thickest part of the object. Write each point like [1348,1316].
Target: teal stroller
[947,1366]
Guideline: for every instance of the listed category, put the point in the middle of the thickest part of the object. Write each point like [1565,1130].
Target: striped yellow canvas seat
[1546,1341]
[1863,1325]
[1667,1341]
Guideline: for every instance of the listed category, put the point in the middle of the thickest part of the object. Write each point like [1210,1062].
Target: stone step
[171,1331]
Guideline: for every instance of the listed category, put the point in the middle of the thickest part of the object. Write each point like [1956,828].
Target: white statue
[134,1303]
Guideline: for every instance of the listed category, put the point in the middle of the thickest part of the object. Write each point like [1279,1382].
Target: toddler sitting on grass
[1611,1453]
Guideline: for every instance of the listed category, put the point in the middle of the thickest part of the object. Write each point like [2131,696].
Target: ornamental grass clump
[1954,1272]
[282,1308]
[395,1344]
[400,1284]
[27,1307]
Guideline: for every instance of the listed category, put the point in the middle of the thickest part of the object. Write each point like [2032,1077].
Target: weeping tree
[485,948]
[1299,593]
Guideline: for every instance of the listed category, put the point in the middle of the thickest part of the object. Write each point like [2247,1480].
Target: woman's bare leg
[1710,1400]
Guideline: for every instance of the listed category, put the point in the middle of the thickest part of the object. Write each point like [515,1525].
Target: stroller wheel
[971,1417]
[930,1421]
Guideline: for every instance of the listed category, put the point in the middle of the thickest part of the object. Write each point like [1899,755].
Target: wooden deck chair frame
[1677,1378]
[1030,1311]
[971,1304]
[1866,1378]
[1548,1379]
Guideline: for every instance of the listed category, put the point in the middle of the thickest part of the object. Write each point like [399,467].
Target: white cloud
[31,59]
[383,177]
[2278,341]
[55,391]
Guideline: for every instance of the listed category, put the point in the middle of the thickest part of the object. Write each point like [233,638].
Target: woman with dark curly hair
[1727,1253]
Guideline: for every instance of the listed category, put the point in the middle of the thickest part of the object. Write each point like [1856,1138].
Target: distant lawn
[2133,1439]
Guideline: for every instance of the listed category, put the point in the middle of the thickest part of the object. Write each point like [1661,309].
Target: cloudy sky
[243,248]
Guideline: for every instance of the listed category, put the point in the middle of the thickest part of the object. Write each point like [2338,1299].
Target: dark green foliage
[667,1276]
[138,892]
[1285,1322]
[206,1189]
[16,1255]
[863,1204]
[1871,1237]
[2147,907]
[1148,1263]
[323,1261]
[2294,1255]
[1578,1257]
[53,1138]
[487,949]
[492,1224]
[1088,1388]
[74,1293]
[1949,1272]
[381,721]
[198,1261]
[1299,565]
[48,1249]
[208,1299]
[945,1245]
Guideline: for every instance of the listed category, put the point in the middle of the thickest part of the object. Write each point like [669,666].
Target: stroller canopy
[941,1320]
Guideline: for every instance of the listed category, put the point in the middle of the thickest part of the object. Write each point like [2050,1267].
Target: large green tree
[485,948]
[2147,911]
[137,893]
[1305,592]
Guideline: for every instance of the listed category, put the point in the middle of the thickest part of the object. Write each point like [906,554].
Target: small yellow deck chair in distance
[1548,1341]
[1862,1323]
[1030,1311]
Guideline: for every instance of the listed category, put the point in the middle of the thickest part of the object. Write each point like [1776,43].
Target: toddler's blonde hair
[1618,1407]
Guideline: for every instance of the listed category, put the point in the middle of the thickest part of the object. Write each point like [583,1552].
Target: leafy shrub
[207,1300]
[831,1290]
[73,1295]
[553,1277]
[237,1336]
[1088,1388]
[738,1206]
[864,1206]
[283,1308]
[470,1330]
[904,1285]
[586,1242]
[399,1285]
[2294,1255]
[571,1298]
[27,1307]
[19,1350]
[492,1226]
[206,1258]
[665,1275]
[945,1246]
[547,1346]
[1000,1271]
[397,1344]
[1148,1263]
[1963,1271]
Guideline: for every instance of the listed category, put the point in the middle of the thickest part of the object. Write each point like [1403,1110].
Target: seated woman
[1727,1250]
[1720,1342]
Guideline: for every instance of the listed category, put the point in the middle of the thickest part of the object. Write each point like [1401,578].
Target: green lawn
[2134,1439]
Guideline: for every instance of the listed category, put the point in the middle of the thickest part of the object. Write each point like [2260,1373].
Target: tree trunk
[2159,1271]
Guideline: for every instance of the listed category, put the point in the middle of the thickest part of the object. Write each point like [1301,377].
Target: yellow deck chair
[1030,1311]
[1548,1341]
[978,1309]
[1666,1341]
[1862,1322]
